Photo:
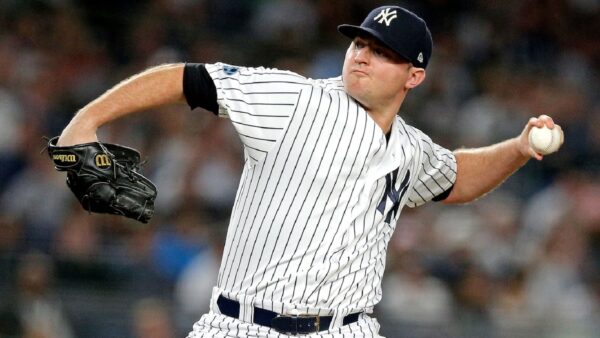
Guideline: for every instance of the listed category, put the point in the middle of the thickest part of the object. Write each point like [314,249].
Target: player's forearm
[480,170]
[152,88]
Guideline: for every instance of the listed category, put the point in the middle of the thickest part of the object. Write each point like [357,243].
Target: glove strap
[63,158]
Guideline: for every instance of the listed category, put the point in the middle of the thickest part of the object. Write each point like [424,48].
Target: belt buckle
[288,324]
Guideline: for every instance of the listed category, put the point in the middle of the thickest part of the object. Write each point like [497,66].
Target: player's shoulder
[224,70]
[330,84]
[221,70]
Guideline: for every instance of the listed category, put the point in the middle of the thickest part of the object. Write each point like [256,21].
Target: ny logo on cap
[386,16]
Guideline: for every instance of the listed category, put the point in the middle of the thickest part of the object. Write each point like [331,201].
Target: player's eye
[358,44]
[381,53]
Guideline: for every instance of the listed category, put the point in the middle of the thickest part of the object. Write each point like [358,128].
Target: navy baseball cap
[399,29]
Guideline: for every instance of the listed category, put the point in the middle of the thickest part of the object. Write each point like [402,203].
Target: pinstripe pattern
[319,197]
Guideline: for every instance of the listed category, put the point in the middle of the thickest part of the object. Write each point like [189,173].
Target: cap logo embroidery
[385,16]
[420,57]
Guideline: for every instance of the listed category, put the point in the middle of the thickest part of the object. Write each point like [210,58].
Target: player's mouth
[359,72]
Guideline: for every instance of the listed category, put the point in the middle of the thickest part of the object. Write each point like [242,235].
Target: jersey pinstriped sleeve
[258,101]
[436,174]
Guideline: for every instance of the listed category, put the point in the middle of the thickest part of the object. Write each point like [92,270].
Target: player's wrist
[77,132]
[521,149]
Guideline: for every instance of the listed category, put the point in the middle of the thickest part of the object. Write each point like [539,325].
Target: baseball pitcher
[329,165]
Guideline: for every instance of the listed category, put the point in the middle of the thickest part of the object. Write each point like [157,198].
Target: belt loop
[337,320]
[213,300]
[246,310]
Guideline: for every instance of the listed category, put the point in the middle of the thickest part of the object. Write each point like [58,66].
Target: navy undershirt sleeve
[199,88]
[443,195]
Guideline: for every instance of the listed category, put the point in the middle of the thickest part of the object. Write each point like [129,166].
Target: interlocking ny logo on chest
[385,16]
[102,161]
[394,195]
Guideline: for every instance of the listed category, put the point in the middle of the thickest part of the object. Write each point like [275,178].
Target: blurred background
[523,261]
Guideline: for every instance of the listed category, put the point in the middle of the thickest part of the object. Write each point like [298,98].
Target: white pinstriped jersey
[320,193]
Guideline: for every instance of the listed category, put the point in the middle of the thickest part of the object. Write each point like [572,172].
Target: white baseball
[545,140]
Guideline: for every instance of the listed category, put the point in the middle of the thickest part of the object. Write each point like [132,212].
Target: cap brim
[352,31]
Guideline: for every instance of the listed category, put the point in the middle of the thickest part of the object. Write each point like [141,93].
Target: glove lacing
[128,167]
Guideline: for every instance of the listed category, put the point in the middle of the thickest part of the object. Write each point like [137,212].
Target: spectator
[36,309]
[152,319]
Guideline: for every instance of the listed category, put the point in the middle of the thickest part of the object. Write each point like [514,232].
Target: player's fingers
[533,122]
[535,155]
[540,121]
[547,121]
[562,134]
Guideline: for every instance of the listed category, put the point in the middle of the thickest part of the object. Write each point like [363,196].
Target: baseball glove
[105,178]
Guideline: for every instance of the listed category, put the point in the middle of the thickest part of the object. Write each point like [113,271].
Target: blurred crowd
[523,261]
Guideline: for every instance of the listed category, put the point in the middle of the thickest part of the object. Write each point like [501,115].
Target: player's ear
[415,77]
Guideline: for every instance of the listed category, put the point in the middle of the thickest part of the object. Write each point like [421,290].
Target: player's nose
[362,55]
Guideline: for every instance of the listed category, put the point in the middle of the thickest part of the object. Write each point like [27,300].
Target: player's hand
[540,121]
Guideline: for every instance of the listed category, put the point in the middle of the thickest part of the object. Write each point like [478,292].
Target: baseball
[545,140]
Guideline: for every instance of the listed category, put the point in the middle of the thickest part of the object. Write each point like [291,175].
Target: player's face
[374,75]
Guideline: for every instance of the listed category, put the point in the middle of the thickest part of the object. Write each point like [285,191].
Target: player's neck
[384,116]
[384,121]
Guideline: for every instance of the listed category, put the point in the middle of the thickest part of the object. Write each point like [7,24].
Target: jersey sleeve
[258,101]
[436,174]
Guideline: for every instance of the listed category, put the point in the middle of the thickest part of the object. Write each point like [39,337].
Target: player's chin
[354,87]
[360,98]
